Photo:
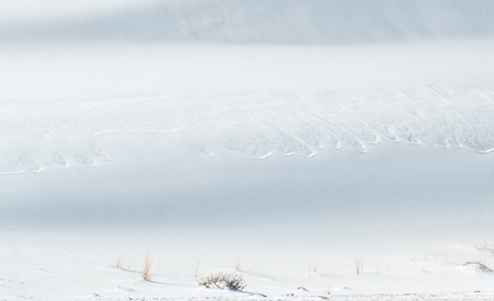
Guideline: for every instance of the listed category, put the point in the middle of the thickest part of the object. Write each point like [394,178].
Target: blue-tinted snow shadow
[397,188]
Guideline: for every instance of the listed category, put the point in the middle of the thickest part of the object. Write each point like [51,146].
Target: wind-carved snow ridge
[60,135]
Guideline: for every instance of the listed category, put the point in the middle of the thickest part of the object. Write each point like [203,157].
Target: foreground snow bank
[108,265]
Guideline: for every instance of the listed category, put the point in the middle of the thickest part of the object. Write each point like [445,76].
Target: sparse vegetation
[313,267]
[359,264]
[484,244]
[481,266]
[159,262]
[119,262]
[330,289]
[238,264]
[222,281]
[146,274]
[197,267]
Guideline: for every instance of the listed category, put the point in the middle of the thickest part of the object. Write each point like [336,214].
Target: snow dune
[63,134]
[280,140]
[237,21]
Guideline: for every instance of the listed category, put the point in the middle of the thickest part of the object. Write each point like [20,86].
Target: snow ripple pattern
[36,135]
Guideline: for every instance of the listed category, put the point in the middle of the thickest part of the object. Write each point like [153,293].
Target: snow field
[289,164]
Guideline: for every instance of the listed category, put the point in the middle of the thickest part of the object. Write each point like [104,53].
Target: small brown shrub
[481,266]
[223,281]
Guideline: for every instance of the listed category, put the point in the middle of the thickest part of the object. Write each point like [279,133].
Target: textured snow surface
[61,134]
[290,265]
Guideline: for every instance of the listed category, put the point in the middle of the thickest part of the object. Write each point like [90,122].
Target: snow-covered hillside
[252,21]
[320,149]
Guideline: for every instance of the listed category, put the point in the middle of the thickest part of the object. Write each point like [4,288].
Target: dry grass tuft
[313,267]
[330,289]
[359,264]
[484,244]
[238,264]
[159,262]
[223,281]
[197,267]
[119,262]
[146,270]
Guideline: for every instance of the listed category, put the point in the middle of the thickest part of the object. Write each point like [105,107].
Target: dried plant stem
[359,264]
[146,274]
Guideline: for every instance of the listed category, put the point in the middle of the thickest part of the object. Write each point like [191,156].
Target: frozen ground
[287,157]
